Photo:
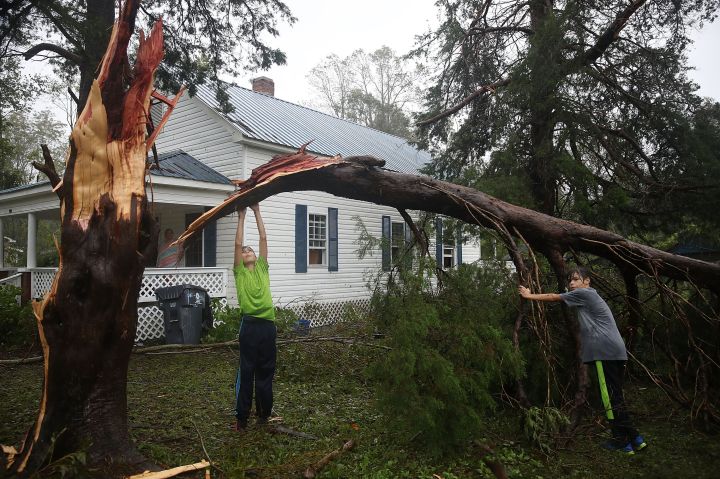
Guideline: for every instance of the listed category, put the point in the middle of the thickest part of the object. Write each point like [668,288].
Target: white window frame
[450,255]
[399,246]
[325,240]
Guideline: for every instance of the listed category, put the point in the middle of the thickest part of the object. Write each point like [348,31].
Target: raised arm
[525,293]
[261,231]
[239,236]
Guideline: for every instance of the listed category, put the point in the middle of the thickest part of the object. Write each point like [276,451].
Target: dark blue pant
[610,380]
[257,368]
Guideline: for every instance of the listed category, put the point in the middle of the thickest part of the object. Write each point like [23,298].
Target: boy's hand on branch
[524,292]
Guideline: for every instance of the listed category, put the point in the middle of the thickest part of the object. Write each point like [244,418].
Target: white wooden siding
[204,135]
[471,251]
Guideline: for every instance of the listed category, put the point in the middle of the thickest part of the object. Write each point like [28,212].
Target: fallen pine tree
[364,178]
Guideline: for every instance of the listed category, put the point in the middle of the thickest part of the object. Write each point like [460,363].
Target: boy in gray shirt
[601,345]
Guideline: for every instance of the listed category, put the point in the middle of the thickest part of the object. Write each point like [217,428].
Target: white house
[312,236]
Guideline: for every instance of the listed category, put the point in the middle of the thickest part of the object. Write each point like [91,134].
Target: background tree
[372,89]
[204,40]
[23,132]
[586,106]
[581,110]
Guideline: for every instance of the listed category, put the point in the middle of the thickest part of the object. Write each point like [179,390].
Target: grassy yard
[177,402]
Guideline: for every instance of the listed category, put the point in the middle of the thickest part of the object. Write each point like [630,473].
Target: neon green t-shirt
[253,290]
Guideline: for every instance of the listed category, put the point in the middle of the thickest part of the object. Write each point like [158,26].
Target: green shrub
[449,354]
[285,320]
[541,426]
[17,323]
[227,324]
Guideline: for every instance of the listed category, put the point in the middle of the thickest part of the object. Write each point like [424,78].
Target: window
[448,256]
[397,241]
[317,239]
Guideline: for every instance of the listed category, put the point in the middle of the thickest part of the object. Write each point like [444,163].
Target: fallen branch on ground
[312,471]
[172,472]
[194,348]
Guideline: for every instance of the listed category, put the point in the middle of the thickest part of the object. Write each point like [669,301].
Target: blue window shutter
[458,247]
[386,243]
[210,243]
[332,239]
[439,241]
[301,238]
[409,237]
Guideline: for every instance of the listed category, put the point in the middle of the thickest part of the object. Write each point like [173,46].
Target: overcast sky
[340,27]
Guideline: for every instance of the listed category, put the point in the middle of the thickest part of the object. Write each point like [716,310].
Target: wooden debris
[312,471]
[173,472]
[34,359]
[10,452]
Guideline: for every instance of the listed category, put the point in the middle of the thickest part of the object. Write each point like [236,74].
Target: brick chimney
[263,85]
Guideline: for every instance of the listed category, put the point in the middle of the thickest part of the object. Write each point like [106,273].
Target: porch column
[31,240]
[2,245]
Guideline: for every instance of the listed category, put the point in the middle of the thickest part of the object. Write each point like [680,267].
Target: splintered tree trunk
[87,321]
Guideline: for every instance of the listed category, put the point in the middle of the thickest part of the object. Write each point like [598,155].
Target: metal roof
[25,187]
[178,164]
[266,118]
[173,164]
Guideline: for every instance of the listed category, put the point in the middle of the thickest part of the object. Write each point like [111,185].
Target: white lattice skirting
[323,314]
[150,319]
[214,281]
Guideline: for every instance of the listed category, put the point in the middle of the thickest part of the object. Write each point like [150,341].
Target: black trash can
[183,308]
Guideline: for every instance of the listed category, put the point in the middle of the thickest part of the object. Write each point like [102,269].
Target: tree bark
[87,321]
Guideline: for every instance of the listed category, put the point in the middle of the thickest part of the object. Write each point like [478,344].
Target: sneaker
[627,449]
[239,426]
[639,443]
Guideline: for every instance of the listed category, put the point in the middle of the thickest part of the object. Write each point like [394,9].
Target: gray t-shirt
[599,334]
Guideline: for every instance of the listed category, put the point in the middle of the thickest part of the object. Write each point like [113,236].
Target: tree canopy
[203,39]
[580,109]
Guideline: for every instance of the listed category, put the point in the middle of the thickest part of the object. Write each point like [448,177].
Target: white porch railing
[150,318]
[13,279]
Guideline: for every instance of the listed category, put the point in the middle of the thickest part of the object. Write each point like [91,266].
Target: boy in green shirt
[257,327]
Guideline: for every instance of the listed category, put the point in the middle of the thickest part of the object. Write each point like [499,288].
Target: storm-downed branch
[367,181]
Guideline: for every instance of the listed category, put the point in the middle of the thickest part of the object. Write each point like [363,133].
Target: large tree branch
[611,33]
[49,47]
[64,19]
[465,101]
[48,167]
[508,29]
[302,172]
